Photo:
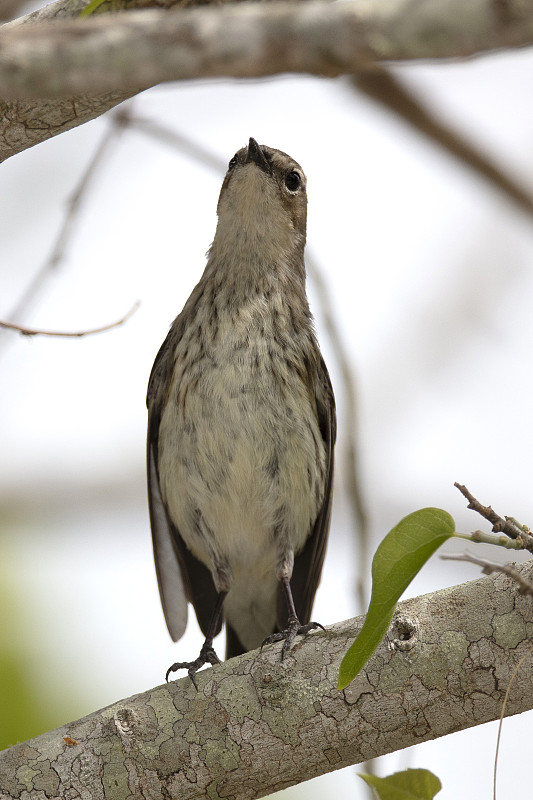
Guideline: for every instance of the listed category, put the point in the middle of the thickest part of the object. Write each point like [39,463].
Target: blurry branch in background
[10,8]
[352,469]
[516,670]
[70,334]
[389,91]
[242,734]
[179,142]
[117,124]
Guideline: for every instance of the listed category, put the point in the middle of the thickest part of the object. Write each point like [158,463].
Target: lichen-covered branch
[257,724]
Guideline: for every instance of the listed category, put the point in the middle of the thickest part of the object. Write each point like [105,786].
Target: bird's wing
[180,576]
[308,562]
[169,577]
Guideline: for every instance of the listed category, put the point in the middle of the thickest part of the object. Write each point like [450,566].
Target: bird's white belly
[241,460]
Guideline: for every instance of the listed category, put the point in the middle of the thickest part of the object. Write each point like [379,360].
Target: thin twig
[506,525]
[352,462]
[488,567]
[178,141]
[64,235]
[504,704]
[70,334]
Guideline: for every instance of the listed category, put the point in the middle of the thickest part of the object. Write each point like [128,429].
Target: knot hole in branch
[403,633]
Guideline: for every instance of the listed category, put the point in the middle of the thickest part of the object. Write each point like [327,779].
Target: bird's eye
[232,162]
[293,181]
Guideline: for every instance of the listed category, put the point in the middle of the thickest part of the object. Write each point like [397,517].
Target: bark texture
[257,725]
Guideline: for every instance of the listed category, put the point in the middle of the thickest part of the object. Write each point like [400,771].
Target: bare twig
[488,567]
[70,334]
[506,525]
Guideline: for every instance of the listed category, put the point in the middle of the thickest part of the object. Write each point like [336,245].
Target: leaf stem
[488,538]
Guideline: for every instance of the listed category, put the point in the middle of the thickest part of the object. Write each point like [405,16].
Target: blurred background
[428,273]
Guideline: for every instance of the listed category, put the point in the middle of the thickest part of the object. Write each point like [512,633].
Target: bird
[242,426]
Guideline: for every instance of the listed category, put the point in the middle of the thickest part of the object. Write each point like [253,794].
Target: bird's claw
[207,656]
[289,634]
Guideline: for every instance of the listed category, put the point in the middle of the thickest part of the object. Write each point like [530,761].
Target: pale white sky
[430,271]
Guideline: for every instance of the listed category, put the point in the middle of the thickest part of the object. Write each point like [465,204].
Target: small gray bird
[241,425]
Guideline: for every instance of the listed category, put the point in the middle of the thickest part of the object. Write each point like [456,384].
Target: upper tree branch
[257,724]
[108,58]
[24,123]
[137,49]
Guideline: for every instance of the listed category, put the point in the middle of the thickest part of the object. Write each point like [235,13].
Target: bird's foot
[289,634]
[207,656]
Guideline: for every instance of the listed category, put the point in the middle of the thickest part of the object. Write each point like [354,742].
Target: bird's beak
[256,156]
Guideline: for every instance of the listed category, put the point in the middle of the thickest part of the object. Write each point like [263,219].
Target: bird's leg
[207,653]
[294,627]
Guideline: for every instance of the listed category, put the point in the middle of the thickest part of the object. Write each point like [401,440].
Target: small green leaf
[90,7]
[399,557]
[411,784]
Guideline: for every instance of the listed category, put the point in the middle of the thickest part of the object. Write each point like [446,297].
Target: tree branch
[25,123]
[110,57]
[258,724]
[138,49]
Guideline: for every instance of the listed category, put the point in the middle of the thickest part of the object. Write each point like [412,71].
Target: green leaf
[399,557]
[90,7]
[411,784]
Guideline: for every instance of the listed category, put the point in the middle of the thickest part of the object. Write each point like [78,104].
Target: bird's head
[263,201]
